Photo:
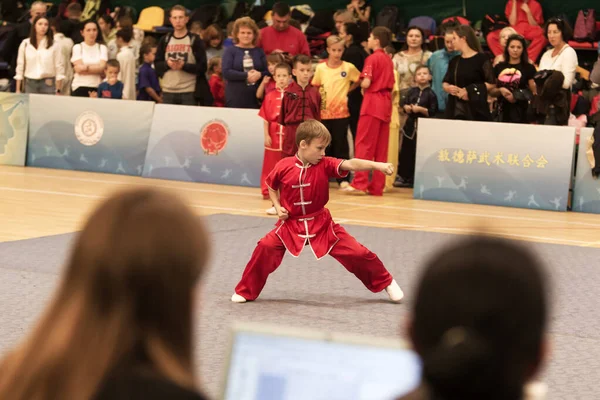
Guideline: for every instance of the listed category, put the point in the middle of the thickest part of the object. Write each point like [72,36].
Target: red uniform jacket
[377,100]
[298,105]
[269,111]
[304,192]
[217,88]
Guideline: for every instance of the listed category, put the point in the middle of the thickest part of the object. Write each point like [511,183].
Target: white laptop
[282,363]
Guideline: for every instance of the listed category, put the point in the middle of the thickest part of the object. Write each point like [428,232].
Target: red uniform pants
[371,144]
[355,257]
[534,34]
[270,158]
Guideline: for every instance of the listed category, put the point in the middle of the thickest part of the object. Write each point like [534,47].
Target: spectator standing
[89,61]
[342,17]
[213,41]
[107,27]
[268,84]
[505,33]
[39,61]
[281,37]
[37,9]
[355,54]
[479,321]
[216,83]
[71,26]
[127,62]
[66,49]
[105,309]
[561,57]
[407,60]
[125,22]
[527,18]
[181,63]
[515,89]
[469,79]
[438,65]
[148,85]
[242,83]
[112,87]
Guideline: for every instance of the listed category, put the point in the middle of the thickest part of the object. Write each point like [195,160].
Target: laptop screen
[271,367]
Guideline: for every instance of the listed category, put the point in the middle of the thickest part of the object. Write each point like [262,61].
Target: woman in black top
[469,78]
[354,54]
[514,93]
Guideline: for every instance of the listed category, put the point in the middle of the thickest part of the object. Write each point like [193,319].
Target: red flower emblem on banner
[213,137]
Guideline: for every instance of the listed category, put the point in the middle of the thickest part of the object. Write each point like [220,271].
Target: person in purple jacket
[148,86]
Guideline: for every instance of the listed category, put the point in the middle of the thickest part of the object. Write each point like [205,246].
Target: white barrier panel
[206,144]
[514,165]
[586,193]
[14,120]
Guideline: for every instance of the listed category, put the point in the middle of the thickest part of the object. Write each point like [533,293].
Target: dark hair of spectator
[214,31]
[113,306]
[74,9]
[113,63]
[33,34]
[179,8]
[281,9]
[284,65]
[383,34]
[524,56]
[423,38]
[125,22]
[150,40]
[301,59]
[99,38]
[562,25]
[108,20]
[353,29]
[275,58]
[125,34]
[146,49]
[480,313]
[465,31]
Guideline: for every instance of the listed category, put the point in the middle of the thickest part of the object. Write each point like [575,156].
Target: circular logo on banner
[344,74]
[213,136]
[89,128]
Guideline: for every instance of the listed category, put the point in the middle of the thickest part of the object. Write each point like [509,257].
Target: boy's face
[120,42]
[372,43]
[149,57]
[302,73]
[336,50]
[111,74]
[271,68]
[313,152]
[282,77]
[422,76]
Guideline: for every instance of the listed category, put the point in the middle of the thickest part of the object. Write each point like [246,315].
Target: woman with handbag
[469,79]
[40,67]
[516,86]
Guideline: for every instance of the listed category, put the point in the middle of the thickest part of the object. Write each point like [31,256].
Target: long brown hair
[465,31]
[33,34]
[126,297]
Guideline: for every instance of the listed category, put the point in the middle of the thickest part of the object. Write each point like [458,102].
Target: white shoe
[344,185]
[271,211]
[236,298]
[393,290]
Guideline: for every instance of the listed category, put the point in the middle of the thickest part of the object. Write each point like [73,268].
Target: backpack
[428,25]
[585,26]
[493,22]
[389,16]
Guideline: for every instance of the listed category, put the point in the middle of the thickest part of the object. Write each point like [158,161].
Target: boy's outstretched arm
[357,164]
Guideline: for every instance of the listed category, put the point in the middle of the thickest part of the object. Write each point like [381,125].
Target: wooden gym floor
[40,202]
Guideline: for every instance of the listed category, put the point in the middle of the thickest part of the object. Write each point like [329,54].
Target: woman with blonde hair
[120,324]
[243,77]
[505,33]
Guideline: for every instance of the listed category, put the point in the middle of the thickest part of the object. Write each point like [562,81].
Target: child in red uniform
[274,132]
[217,86]
[300,103]
[373,131]
[267,85]
[299,188]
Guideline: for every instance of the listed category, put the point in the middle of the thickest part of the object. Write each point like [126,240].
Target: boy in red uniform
[299,189]
[374,124]
[301,102]
[274,131]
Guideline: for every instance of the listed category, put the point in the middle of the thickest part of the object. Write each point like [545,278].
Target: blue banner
[206,144]
[586,192]
[514,165]
[14,120]
[84,134]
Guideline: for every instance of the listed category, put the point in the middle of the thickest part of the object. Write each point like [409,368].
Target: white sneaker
[236,298]
[271,211]
[344,184]
[394,291]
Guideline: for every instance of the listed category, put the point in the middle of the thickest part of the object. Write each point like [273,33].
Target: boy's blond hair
[312,129]
[334,39]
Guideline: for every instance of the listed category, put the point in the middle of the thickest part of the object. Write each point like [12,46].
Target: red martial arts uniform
[535,34]
[269,111]
[304,192]
[374,124]
[298,105]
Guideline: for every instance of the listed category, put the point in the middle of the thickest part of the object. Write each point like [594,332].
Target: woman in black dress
[515,82]
[469,79]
